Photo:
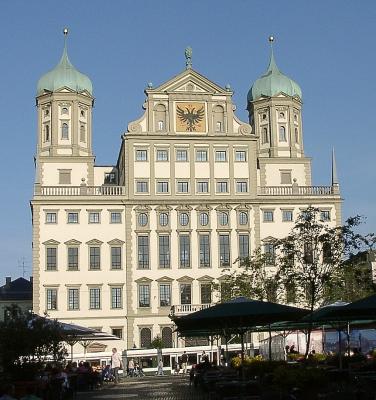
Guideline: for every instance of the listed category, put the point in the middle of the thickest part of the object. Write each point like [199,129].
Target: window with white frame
[202,187]
[94,217]
[184,251]
[243,218]
[165,294]
[115,217]
[163,219]
[72,258]
[141,155]
[183,219]
[268,215]
[142,186]
[243,245]
[222,187]
[204,241]
[282,134]
[162,187]
[265,135]
[72,218]
[224,250]
[269,252]
[223,218]
[162,155]
[206,293]
[82,133]
[109,178]
[115,257]
[201,155]
[325,215]
[287,215]
[118,332]
[221,156]
[240,155]
[143,251]
[164,251]
[73,299]
[181,155]
[95,298]
[116,297]
[204,219]
[51,217]
[185,293]
[285,177]
[64,131]
[51,299]
[94,257]
[144,295]
[182,186]
[142,219]
[241,186]
[51,258]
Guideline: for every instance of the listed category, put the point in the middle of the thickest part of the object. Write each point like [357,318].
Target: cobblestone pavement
[155,387]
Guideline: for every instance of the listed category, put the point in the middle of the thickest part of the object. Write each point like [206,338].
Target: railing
[295,190]
[82,190]
[183,309]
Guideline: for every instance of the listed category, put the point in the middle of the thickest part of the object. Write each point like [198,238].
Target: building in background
[193,189]
[18,292]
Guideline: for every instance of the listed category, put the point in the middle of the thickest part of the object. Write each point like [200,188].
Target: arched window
[218,119]
[82,133]
[296,135]
[65,131]
[82,113]
[223,218]
[160,118]
[163,219]
[265,135]
[160,126]
[46,133]
[64,111]
[281,115]
[243,218]
[145,338]
[142,219]
[184,219]
[167,337]
[204,219]
[282,134]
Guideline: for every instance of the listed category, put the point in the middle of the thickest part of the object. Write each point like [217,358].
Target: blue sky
[328,47]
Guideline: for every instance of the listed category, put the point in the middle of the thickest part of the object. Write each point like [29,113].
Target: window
[164,251]
[241,186]
[268,216]
[222,218]
[296,135]
[269,251]
[201,155]
[184,251]
[64,111]
[204,250]
[205,293]
[184,219]
[286,177]
[290,292]
[73,299]
[144,295]
[141,155]
[327,252]
[51,299]
[115,257]
[94,298]
[64,177]
[222,187]
[164,294]
[143,252]
[162,155]
[325,215]
[243,246]
[94,257]
[72,258]
[308,253]
[224,250]
[115,217]
[51,257]
[204,219]
[167,337]
[82,113]
[220,155]
[46,133]
[185,293]
[142,219]
[281,115]
[202,187]
[72,218]
[163,219]
[116,297]
[160,117]
[160,126]
[118,332]
[162,187]
[51,218]
[182,187]
[265,135]
[282,134]
[65,131]
[263,116]
[240,155]
[109,177]
[142,187]
[82,133]
[145,337]
[46,112]
[181,155]
[243,218]
[218,126]
[94,217]
[287,215]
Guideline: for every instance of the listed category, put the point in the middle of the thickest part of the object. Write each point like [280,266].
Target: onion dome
[64,75]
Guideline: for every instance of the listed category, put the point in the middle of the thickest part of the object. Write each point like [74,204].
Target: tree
[156,343]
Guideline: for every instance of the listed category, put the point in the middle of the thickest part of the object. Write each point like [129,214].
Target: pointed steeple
[272,67]
[334,169]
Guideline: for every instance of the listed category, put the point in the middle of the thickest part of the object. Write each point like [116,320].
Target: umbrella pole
[340,349]
[242,355]
[270,343]
[348,339]
[71,352]
[323,339]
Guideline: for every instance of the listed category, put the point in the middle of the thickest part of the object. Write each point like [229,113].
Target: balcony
[82,190]
[184,309]
[296,190]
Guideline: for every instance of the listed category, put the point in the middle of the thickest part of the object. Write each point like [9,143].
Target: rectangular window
[241,186]
[51,299]
[182,187]
[110,178]
[325,215]
[141,155]
[184,251]
[64,177]
[72,218]
[162,187]
[185,293]
[222,187]
[220,156]
[116,257]
[94,298]
[116,297]
[115,217]
[73,299]
[164,251]
[287,215]
[204,250]
[94,257]
[51,256]
[240,155]
[268,216]
[243,246]
[269,252]
[94,217]
[201,155]
[181,155]
[142,187]
[162,155]
[144,296]
[118,332]
[202,187]
[51,218]
[143,252]
[224,250]
[206,293]
[72,258]
[286,177]
[165,295]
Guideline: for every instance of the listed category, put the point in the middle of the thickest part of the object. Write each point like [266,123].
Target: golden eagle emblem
[190,116]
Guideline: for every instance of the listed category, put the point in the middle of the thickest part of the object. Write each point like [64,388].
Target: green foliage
[305,378]
[156,343]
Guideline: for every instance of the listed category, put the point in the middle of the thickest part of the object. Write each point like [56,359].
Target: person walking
[184,362]
[116,363]
[160,368]
[131,367]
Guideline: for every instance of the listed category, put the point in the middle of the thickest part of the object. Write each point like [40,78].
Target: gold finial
[65,31]
[271,39]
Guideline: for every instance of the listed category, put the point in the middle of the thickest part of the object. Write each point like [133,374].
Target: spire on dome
[272,67]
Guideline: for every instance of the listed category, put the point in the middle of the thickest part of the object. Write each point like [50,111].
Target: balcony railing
[184,309]
[82,190]
[296,190]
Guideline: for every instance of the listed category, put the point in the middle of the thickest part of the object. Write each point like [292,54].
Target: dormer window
[64,111]
[65,131]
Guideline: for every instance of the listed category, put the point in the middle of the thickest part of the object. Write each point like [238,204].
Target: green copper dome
[64,74]
[272,83]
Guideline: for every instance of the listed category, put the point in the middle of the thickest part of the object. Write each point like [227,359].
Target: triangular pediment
[144,279]
[51,242]
[94,242]
[164,279]
[205,278]
[269,239]
[185,278]
[72,242]
[115,242]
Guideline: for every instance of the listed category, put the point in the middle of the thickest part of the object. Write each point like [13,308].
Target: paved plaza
[154,387]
